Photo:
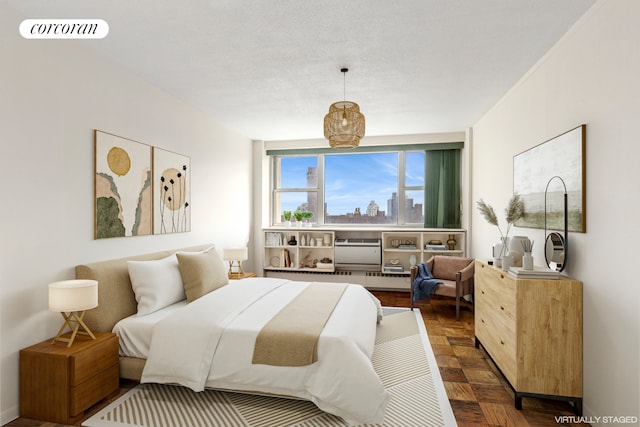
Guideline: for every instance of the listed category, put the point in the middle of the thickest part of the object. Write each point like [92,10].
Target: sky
[353,180]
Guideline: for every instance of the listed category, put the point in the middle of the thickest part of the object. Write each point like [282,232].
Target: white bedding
[134,332]
[209,343]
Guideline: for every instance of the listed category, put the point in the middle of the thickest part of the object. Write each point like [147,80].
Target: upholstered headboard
[115,294]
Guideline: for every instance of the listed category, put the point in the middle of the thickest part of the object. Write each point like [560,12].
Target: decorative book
[537,273]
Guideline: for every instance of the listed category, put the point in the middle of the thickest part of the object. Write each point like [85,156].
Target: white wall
[53,95]
[590,76]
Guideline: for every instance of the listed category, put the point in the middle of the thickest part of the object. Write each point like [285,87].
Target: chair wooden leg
[457,308]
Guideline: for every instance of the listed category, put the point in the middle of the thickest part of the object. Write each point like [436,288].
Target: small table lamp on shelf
[72,298]
[235,256]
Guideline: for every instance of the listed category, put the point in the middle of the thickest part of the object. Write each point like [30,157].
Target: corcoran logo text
[64,29]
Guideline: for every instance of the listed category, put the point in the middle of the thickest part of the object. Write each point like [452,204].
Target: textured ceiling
[269,69]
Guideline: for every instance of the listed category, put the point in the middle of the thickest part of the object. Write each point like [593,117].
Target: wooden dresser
[58,383]
[532,329]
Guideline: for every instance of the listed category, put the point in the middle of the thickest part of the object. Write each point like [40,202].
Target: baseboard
[9,415]
[368,279]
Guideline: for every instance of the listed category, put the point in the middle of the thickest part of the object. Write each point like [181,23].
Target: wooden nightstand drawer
[102,355]
[95,389]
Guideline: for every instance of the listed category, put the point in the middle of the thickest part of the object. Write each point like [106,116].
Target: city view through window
[357,188]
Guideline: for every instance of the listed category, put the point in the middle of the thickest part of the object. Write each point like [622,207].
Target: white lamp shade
[73,295]
[235,254]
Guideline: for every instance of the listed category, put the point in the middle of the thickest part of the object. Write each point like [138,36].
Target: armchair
[456,274]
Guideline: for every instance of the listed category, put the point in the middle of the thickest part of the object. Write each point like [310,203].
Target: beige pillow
[202,272]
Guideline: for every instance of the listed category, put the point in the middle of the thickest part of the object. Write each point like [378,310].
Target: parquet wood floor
[479,394]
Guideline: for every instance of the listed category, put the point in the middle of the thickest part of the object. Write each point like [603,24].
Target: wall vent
[324,273]
[378,274]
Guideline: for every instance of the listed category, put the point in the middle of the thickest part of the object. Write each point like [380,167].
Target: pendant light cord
[344,95]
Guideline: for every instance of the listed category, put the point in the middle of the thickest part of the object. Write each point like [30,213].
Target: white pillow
[156,284]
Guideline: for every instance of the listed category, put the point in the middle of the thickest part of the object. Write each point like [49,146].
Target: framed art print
[533,171]
[122,183]
[172,195]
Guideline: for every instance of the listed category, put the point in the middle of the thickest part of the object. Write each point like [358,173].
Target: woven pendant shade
[344,125]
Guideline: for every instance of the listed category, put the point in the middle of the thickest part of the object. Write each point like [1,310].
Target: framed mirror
[555,251]
[555,245]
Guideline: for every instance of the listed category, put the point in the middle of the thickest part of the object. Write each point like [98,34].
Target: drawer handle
[502,276]
[482,292]
[501,342]
[501,308]
[482,320]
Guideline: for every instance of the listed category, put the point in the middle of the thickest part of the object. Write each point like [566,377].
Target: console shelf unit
[398,247]
[394,246]
[276,246]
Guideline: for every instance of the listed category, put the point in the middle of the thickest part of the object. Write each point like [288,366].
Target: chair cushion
[446,267]
[447,289]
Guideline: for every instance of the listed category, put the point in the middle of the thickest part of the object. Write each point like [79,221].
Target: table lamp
[72,298]
[235,256]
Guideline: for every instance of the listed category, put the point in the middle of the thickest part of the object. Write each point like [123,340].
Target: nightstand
[244,275]
[58,383]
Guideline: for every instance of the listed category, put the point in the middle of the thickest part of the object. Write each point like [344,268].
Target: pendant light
[344,123]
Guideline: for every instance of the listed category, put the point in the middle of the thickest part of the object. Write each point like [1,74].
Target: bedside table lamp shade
[72,298]
[235,256]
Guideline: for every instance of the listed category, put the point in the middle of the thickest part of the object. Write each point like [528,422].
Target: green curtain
[442,189]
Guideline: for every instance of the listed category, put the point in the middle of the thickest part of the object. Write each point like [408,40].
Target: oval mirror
[554,251]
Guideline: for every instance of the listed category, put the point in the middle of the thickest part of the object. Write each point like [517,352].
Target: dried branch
[487,212]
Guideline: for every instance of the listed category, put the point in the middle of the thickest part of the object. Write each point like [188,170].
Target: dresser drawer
[85,364]
[495,317]
[500,342]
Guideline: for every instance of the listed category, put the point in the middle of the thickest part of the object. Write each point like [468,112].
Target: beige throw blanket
[290,338]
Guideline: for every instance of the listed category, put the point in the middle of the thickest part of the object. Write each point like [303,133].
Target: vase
[507,261]
[500,250]
[497,251]
[412,260]
[287,224]
[527,261]
[303,241]
[516,249]
[452,242]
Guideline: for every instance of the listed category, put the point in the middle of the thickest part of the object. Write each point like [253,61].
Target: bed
[228,338]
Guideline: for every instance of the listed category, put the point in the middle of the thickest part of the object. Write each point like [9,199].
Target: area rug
[402,357]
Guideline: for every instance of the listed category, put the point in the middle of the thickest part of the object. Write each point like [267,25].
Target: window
[414,187]
[384,187]
[361,188]
[295,186]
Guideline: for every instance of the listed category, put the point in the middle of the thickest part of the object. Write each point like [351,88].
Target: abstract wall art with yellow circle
[123,190]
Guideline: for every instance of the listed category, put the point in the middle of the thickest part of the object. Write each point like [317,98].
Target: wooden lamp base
[238,273]
[74,321]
